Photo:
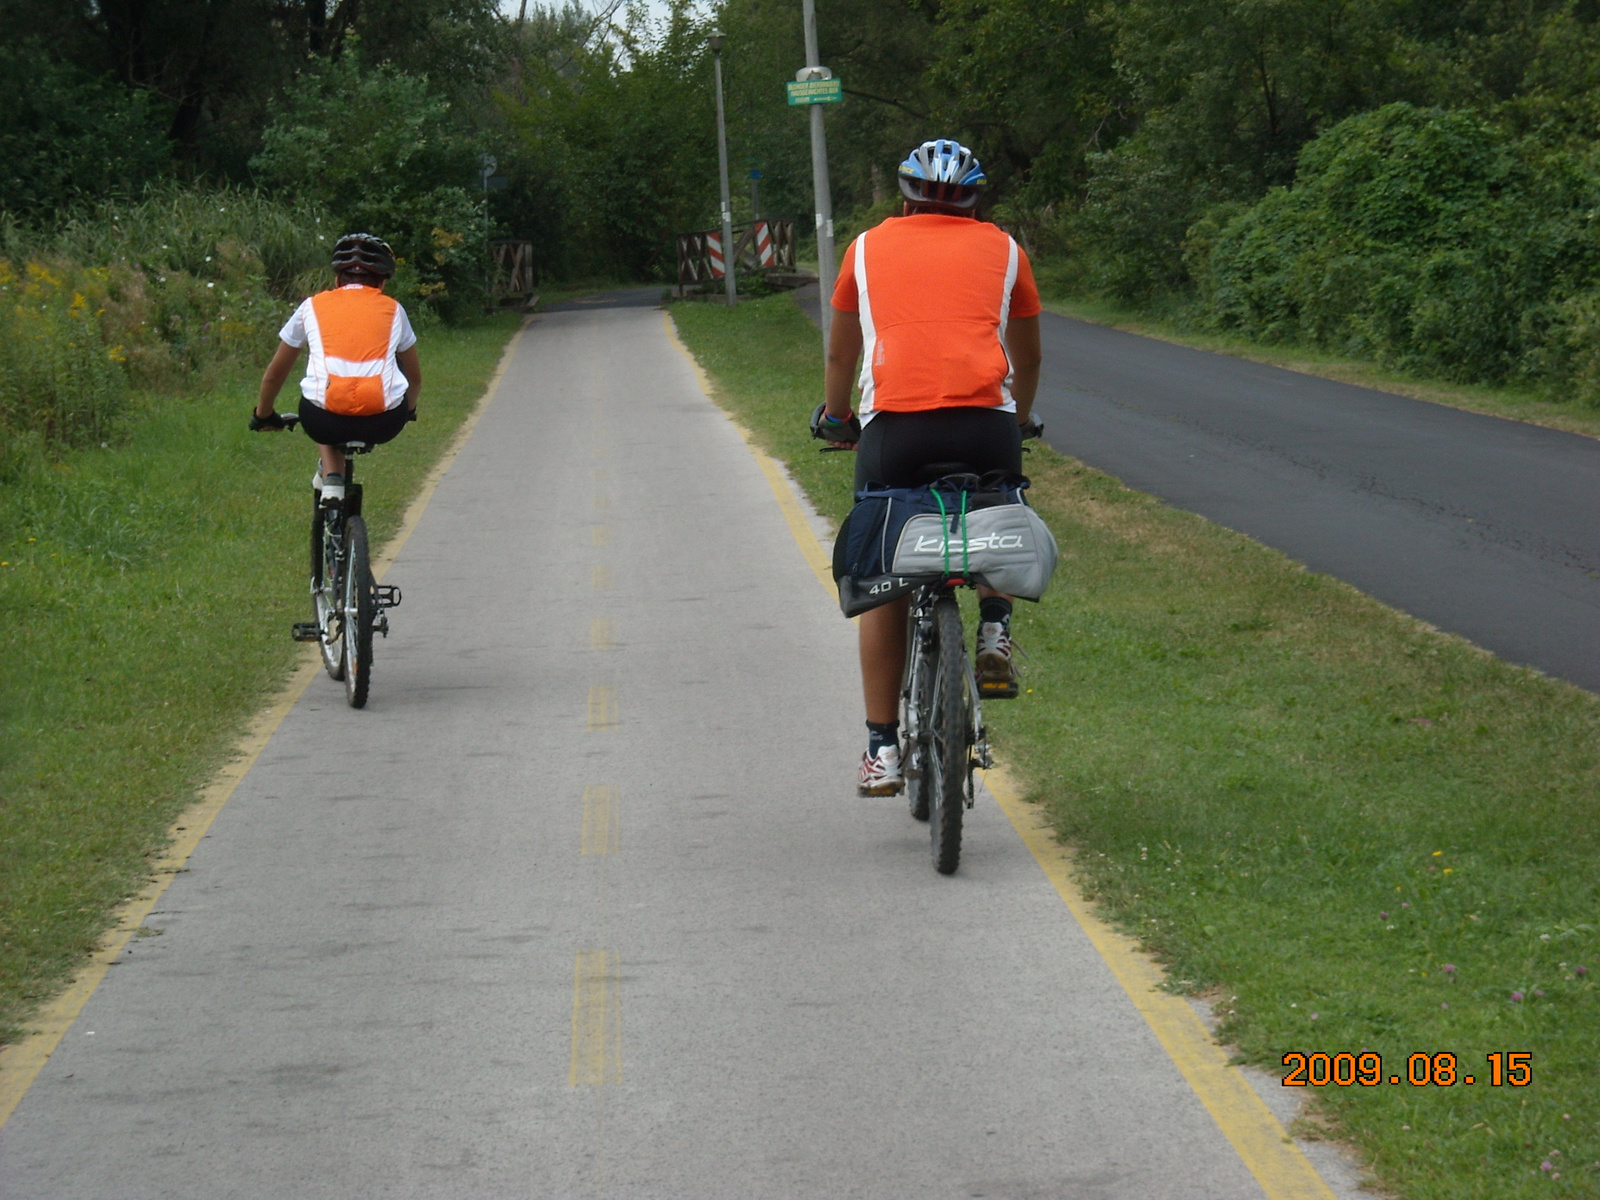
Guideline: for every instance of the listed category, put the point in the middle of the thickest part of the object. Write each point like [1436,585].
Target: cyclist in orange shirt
[362,373]
[943,314]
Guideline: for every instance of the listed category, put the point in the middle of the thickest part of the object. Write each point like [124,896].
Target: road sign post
[715,42]
[819,87]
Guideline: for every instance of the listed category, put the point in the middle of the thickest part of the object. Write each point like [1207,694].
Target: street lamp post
[715,41]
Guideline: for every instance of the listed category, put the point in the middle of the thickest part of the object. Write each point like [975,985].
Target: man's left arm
[1022,345]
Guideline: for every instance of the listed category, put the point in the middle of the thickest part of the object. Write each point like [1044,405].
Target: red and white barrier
[763,244]
[714,252]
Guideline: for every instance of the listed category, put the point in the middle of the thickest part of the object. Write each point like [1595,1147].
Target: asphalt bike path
[1482,526]
[583,902]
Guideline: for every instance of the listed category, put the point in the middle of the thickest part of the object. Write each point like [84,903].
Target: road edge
[21,1062]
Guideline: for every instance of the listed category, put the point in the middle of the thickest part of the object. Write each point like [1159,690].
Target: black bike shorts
[334,429]
[896,447]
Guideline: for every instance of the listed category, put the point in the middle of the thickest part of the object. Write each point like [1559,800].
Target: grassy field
[146,593]
[1350,832]
[1524,403]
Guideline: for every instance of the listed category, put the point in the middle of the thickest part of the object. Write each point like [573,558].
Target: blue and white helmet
[942,172]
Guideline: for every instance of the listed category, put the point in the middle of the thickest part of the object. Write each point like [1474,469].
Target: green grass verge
[1526,403]
[1349,831]
[146,593]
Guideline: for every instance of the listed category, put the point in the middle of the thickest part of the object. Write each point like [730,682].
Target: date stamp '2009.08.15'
[1316,1069]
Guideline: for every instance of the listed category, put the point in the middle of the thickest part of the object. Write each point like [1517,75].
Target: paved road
[584,904]
[1485,527]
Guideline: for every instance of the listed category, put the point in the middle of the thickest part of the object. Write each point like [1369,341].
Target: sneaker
[881,776]
[329,489]
[997,674]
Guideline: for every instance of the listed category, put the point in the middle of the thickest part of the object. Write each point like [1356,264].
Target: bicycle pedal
[388,595]
[307,631]
[998,690]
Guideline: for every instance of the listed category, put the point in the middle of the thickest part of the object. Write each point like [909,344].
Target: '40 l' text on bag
[961,527]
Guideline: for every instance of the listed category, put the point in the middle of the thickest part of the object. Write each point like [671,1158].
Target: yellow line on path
[602,707]
[600,635]
[1283,1172]
[596,1020]
[600,578]
[21,1062]
[1261,1142]
[600,820]
[600,535]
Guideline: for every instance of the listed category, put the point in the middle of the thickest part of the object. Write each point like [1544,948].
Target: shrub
[1427,239]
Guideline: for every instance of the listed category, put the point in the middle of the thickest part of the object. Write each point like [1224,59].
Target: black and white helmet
[365,253]
[942,172]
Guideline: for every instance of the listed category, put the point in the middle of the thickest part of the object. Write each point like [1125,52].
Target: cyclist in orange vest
[943,313]
[362,373]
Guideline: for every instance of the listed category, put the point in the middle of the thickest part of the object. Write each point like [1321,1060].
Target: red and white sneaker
[997,674]
[881,775]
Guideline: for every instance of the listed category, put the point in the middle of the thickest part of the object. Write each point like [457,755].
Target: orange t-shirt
[934,294]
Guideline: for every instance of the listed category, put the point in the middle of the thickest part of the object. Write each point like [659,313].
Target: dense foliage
[1205,150]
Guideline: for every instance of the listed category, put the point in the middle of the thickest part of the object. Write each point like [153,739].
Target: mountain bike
[347,604]
[942,719]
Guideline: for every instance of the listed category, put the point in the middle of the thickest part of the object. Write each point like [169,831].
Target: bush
[380,151]
[1428,239]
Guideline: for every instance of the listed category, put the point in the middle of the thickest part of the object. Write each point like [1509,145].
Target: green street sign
[816,91]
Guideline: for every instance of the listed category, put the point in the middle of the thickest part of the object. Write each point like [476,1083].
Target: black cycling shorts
[896,448]
[334,429]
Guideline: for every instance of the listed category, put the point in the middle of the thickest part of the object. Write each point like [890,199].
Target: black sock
[879,736]
[994,610]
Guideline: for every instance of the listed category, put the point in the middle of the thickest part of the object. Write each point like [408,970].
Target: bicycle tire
[951,748]
[360,609]
[324,594]
[917,702]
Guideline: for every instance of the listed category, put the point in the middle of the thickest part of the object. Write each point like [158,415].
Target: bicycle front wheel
[360,608]
[326,587]
[950,753]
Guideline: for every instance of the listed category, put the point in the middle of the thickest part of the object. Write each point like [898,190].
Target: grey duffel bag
[1006,546]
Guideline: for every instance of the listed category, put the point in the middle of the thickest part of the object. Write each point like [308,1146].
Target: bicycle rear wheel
[951,749]
[360,608]
[916,718]
[325,589]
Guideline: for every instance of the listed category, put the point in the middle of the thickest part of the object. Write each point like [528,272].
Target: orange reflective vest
[352,334]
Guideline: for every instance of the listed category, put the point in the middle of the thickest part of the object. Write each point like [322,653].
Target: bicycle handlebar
[275,421]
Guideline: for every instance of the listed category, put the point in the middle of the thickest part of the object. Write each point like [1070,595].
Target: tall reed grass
[129,294]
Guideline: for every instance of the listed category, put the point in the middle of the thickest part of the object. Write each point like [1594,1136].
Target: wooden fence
[512,275]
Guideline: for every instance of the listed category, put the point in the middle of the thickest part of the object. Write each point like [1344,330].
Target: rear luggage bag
[979,531]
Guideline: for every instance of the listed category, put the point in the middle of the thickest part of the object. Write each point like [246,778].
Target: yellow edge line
[21,1062]
[1283,1172]
[1258,1138]
[777,479]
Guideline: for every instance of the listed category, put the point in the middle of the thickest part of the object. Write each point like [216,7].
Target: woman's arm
[272,380]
